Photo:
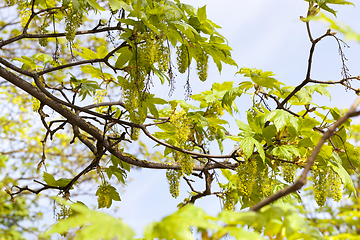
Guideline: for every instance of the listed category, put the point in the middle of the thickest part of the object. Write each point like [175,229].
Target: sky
[264,34]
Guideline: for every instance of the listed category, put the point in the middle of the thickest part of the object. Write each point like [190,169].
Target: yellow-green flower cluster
[173,177]
[335,186]
[181,124]
[99,98]
[42,30]
[104,199]
[321,185]
[229,201]
[150,50]
[35,102]
[186,162]
[73,20]
[153,51]
[265,182]
[64,213]
[132,97]
[288,172]
[215,110]
[182,58]
[247,174]
[202,65]
[24,16]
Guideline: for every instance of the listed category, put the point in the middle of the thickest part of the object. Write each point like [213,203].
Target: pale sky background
[264,34]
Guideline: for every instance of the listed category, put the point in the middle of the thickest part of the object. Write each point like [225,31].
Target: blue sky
[263,34]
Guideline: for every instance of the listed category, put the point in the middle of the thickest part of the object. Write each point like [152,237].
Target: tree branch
[307,78]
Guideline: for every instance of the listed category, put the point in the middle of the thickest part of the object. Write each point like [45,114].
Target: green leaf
[87,87]
[149,103]
[95,5]
[119,163]
[125,165]
[260,150]
[322,4]
[185,28]
[49,179]
[243,234]
[45,58]
[269,133]
[198,118]
[27,62]
[86,53]
[320,88]
[62,182]
[281,119]
[340,27]
[227,174]
[243,218]
[184,105]
[114,194]
[176,226]
[117,173]
[162,77]
[115,161]
[201,14]
[118,4]
[92,225]
[307,123]
[93,71]
[286,152]
[247,145]
[106,193]
[124,56]
[261,78]
[243,127]
[228,99]
[101,52]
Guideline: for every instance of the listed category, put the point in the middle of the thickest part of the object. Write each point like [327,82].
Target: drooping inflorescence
[182,58]
[202,65]
[173,177]
[288,172]
[247,173]
[181,123]
[321,185]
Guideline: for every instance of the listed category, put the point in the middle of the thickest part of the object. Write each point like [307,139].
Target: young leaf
[247,146]
[281,119]
[124,55]
[117,173]
[176,226]
[49,179]
[86,53]
[201,14]
[93,225]
[62,182]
